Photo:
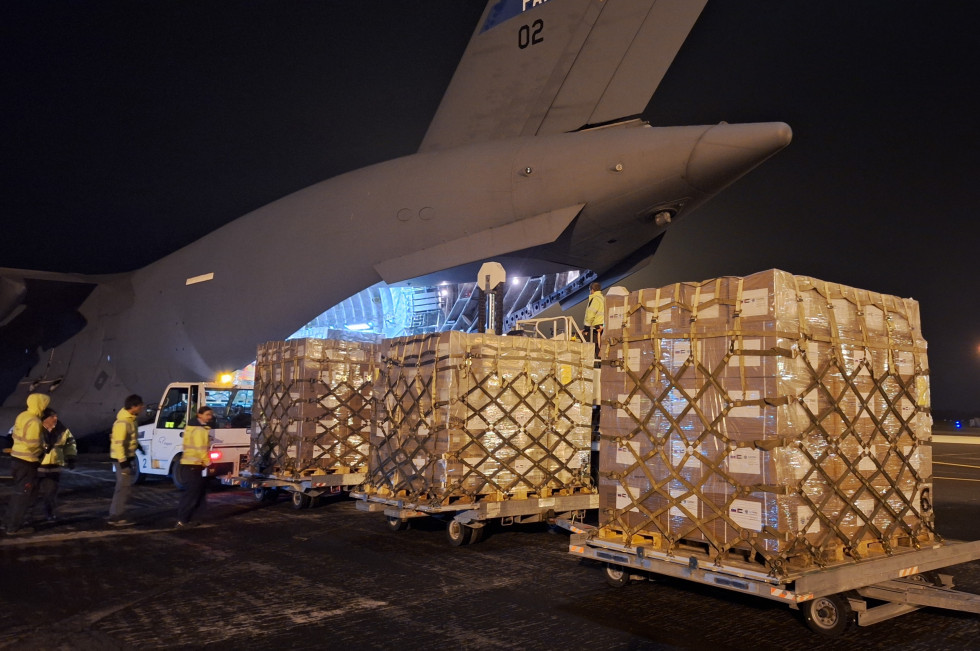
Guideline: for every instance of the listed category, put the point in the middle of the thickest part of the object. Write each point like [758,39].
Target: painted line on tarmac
[958,465]
[949,438]
[93,534]
[93,475]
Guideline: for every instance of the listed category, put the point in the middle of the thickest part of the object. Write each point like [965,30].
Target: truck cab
[161,439]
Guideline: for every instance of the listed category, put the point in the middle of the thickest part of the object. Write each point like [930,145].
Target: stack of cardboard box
[773,416]
[468,415]
[312,409]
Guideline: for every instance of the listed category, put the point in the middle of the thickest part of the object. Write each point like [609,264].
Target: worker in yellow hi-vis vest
[595,315]
[194,461]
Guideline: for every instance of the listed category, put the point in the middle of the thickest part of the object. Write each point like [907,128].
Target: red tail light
[215,455]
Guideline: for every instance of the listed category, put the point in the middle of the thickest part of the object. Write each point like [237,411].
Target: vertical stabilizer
[557,66]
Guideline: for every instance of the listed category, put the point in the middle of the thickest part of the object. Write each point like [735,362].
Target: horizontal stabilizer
[533,231]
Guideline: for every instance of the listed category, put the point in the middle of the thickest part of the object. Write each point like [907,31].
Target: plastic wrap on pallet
[464,415]
[312,408]
[776,417]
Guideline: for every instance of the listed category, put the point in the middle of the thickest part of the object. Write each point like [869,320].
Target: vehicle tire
[617,576]
[264,494]
[301,500]
[829,615]
[396,524]
[138,475]
[458,533]
[176,473]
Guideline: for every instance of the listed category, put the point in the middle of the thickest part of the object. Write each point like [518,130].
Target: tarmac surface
[262,575]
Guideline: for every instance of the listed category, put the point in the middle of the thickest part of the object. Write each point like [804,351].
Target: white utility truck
[161,439]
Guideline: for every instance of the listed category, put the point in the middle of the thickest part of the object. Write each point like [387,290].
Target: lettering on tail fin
[504,10]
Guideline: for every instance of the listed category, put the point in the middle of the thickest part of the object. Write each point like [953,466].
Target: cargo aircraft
[535,158]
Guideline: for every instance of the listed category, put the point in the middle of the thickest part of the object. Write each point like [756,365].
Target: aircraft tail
[544,67]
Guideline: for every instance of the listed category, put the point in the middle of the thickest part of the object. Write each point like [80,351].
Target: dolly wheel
[829,615]
[395,523]
[264,494]
[617,576]
[301,500]
[458,533]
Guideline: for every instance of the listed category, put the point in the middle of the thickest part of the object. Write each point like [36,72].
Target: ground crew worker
[61,443]
[26,453]
[122,447]
[595,315]
[195,459]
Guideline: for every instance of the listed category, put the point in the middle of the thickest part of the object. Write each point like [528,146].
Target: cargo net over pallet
[772,418]
[312,409]
[467,417]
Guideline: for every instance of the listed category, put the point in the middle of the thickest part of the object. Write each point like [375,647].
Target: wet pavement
[261,575]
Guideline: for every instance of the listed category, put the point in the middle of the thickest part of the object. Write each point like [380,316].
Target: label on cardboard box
[633,360]
[745,461]
[874,317]
[746,514]
[681,352]
[624,499]
[632,409]
[675,402]
[803,515]
[615,318]
[712,312]
[520,465]
[624,453]
[842,313]
[755,302]
[653,305]
[812,401]
[690,503]
[904,362]
[677,451]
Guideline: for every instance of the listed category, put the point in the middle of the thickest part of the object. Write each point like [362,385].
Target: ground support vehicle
[874,589]
[161,440]
[466,521]
[303,490]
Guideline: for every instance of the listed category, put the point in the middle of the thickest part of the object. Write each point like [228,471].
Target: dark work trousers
[25,484]
[595,336]
[194,495]
[124,486]
[47,490]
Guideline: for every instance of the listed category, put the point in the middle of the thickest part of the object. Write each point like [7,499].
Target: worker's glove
[71,463]
[139,448]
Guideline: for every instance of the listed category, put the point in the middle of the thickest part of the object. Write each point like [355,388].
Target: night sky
[132,128]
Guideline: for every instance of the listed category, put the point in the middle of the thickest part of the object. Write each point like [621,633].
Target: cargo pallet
[829,597]
[304,490]
[465,521]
